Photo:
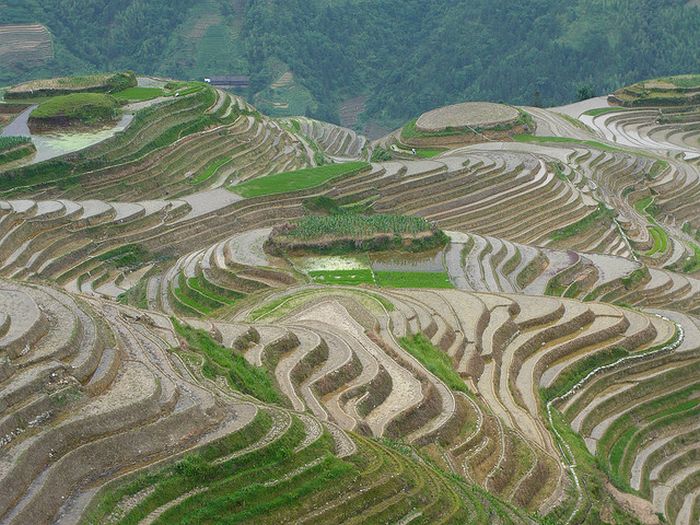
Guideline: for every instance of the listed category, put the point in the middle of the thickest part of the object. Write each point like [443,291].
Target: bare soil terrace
[468,114]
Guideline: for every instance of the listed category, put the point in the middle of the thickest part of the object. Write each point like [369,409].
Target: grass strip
[243,376]
[297,180]
[435,360]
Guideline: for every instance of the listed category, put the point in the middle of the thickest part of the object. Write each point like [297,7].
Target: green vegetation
[199,296]
[343,277]
[128,256]
[83,108]
[331,47]
[647,207]
[151,129]
[8,143]
[395,279]
[210,170]
[657,169]
[384,279]
[567,140]
[297,180]
[309,228]
[602,111]
[599,215]
[435,360]
[660,240]
[571,375]
[683,90]
[349,233]
[411,131]
[329,206]
[15,148]
[137,94]
[595,496]
[634,278]
[381,155]
[100,83]
[226,362]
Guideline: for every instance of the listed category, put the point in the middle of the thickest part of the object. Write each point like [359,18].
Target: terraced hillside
[159,365]
[25,45]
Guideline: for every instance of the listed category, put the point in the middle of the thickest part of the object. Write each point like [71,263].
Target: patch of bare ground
[640,507]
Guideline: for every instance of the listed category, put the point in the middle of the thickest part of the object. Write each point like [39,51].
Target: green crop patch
[602,213]
[435,360]
[84,108]
[128,256]
[210,170]
[570,376]
[389,279]
[297,180]
[15,148]
[343,277]
[244,377]
[138,94]
[567,140]
[346,233]
[8,143]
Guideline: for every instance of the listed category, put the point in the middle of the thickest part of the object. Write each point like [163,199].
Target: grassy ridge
[223,361]
[297,180]
[7,143]
[435,360]
[137,94]
[357,226]
[392,279]
[15,148]
[85,108]
[590,220]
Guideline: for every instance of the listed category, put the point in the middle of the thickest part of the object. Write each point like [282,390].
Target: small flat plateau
[467,114]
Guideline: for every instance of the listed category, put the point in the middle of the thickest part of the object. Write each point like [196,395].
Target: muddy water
[408,262]
[55,144]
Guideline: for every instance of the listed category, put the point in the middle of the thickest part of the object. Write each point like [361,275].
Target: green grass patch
[345,233]
[8,143]
[634,278]
[657,169]
[381,155]
[602,111]
[434,359]
[389,279]
[309,228]
[139,94]
[85,108]
[243,376]
[17,152]
[567,140]
[297,180]
[329,206]
[600,214]
[692,263]
[210,170]
[684,81]
[197,285]
[343,277]
[646,206]
[571,375]
[128,256]
[660,239]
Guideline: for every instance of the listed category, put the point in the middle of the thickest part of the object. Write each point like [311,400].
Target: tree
[585,91]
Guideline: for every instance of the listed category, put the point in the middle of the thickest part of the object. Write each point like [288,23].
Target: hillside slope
[316,56]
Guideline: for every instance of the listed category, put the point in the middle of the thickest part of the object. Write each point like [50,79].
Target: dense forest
[405,56]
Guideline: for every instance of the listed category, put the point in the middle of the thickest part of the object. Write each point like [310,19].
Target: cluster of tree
[407,56]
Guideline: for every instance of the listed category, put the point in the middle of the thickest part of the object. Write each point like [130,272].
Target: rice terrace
[208,314]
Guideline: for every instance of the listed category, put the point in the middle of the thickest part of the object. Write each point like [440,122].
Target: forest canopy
[405,56]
